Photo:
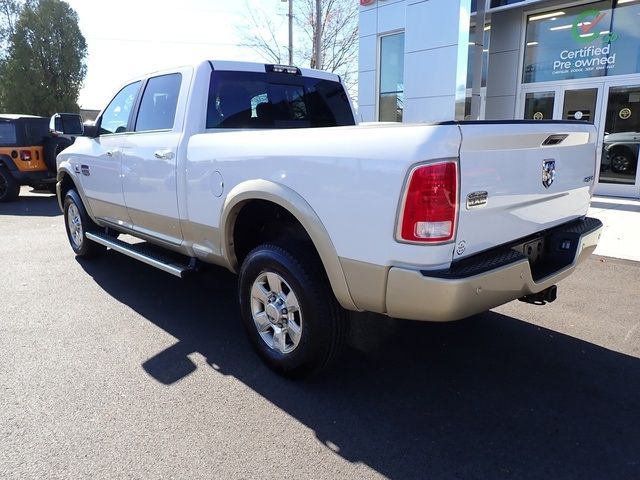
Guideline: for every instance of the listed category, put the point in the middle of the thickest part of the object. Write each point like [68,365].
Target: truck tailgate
[518,178]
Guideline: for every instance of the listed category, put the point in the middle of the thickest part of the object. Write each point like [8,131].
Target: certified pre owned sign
[588,26]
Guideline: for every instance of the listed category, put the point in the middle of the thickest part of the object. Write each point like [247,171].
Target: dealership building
[434,60]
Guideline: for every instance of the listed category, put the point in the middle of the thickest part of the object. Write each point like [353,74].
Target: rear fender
[302,211]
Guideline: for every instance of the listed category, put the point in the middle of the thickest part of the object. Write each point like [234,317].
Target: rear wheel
[9,187]
[77,223]
[289,311]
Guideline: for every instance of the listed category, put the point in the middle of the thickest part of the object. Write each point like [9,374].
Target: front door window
[619,161]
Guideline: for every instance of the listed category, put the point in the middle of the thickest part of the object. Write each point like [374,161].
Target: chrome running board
[141,252]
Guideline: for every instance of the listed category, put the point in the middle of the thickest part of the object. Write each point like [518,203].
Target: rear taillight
[430,204]
[25,155]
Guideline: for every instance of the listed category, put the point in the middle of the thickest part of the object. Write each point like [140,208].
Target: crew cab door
[100,169]
[150,155]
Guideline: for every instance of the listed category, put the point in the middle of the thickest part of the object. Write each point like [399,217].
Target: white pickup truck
[262,169]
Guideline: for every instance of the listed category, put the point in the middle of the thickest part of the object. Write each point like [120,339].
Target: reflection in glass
[391,102]
[539,106]
[622,136]
[485,55]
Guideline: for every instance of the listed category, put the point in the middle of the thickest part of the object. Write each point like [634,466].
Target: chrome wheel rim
[276,312]
[75,225]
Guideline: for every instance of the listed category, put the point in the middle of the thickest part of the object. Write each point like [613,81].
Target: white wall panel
[430,73]
[432,24]
[433,109]
[367,53]
[367,88]
[368,22]
[391,16]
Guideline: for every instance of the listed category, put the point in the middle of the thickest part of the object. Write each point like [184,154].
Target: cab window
[116,116]
[159,103]
[275,100]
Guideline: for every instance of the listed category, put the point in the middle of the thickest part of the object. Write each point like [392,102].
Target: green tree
[44,68]
[9,13]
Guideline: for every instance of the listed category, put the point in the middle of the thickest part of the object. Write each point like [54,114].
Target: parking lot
[111,369]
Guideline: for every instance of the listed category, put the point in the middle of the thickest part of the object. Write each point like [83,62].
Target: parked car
[621,152]
[262,169]
[28,152]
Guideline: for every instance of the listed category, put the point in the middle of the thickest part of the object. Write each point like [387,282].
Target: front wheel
[289,311]
[77,222]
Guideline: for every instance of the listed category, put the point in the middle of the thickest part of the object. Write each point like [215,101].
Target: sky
[128,38]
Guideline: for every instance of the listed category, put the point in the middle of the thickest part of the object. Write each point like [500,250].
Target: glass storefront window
[539,105]
[621,136]
[485,55]
[580,104]
[592,40]
[391,102]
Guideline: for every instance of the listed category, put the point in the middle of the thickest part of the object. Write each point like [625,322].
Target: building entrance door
[614,108]
[620,142]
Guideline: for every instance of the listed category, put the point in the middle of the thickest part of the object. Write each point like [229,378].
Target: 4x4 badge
[548,172]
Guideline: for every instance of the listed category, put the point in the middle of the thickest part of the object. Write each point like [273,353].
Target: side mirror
[66,124]
[91,130]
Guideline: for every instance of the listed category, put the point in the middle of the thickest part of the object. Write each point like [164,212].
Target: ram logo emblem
[548,172]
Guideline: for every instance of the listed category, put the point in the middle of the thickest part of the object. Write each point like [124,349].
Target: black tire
[81,245]
[52,147]
[622,161]
[9,186]
[321,322]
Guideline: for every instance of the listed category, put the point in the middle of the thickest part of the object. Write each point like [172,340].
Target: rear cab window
[275,100]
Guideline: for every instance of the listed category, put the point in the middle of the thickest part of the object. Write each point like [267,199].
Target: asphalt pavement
[111,369]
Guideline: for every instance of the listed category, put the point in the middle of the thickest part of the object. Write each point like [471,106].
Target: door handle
[163,154]
[110,153]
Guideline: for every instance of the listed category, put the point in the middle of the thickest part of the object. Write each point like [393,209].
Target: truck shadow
[44,205]
[489,397]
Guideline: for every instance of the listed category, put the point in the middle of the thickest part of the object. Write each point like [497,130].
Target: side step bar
[142,253]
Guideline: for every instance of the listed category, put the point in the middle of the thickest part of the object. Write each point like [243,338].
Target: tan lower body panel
[367,284]
[414,296]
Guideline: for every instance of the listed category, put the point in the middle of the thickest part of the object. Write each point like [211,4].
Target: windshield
[275,100]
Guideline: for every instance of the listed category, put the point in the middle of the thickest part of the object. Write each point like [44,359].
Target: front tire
[9,187]
[289,311]
[77,223]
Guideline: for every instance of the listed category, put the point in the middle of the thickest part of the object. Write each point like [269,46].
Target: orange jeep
[28,153]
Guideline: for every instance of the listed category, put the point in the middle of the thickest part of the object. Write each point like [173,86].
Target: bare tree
[261,34]
[339,37]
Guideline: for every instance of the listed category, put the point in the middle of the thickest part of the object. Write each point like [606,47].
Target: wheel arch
[66,181]
[7,162]
[621,147]
[293,203]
